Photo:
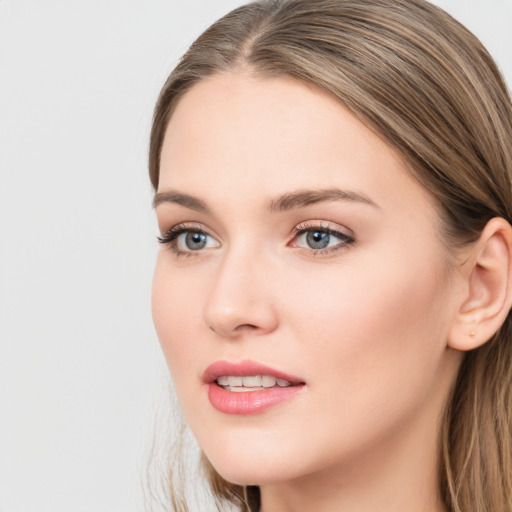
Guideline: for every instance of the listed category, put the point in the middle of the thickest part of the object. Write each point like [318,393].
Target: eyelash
[345,239]
[170,238]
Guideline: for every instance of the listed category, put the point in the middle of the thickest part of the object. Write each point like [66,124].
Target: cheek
[175,315]
[371,345]
[374,324]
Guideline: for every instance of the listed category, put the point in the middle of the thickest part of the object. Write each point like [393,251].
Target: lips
[245,368]
[248,387]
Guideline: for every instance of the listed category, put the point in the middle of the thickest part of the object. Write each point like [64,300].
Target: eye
[192,240]
[320,239]
[184,239]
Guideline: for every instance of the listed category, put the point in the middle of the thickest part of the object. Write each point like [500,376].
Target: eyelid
[322,225]
[170,237]
[345,235]
[179,228]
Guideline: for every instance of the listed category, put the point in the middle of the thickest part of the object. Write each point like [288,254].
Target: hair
[425,85]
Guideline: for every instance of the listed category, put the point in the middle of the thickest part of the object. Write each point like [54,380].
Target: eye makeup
[312,238]
[319,239]
[186,239]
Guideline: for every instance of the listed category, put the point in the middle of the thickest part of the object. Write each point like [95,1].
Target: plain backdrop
[79,360]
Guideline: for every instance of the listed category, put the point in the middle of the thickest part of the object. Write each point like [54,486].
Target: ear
[488,288]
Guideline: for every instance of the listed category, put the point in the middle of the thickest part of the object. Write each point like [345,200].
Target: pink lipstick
[247,387]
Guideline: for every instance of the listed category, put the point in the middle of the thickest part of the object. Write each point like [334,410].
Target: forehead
[237,136]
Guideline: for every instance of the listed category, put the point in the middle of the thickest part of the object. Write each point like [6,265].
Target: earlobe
[489,288]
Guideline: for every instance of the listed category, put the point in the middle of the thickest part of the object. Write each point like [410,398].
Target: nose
[240,301]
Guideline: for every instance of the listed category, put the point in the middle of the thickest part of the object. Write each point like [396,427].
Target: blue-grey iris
[318,239]
[195,241]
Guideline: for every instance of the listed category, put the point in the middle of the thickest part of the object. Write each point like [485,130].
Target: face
[296,247]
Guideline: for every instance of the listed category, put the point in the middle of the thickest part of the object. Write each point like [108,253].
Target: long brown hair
[428,87]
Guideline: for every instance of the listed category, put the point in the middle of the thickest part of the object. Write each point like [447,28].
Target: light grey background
[79,361]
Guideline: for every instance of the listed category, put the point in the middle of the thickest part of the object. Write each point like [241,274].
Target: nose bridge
[240,298]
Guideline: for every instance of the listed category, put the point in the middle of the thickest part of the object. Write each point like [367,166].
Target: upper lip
[244,368]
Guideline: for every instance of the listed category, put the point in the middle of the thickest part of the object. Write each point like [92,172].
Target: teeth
[235,381]
[223,381]
[241,389]
[250,382]
[267,381]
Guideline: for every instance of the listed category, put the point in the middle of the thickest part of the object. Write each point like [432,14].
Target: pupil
[195,241]
[317,239]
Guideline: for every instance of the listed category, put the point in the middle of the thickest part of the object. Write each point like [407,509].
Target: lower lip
[250,402]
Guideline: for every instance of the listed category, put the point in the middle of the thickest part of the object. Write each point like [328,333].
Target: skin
[364,325]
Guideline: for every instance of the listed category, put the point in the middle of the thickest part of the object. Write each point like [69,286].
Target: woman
[333,191]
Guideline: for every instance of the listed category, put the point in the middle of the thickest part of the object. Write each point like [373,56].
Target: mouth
[247,387]
[249,383]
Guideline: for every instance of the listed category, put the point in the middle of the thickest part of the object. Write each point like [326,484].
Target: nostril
[246,327]
[238,330]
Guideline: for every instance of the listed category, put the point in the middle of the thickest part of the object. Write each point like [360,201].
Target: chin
[251,466]
[242,474]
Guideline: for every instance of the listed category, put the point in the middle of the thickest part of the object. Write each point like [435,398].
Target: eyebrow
[303,198]
[190,202]
[288,201]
